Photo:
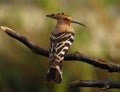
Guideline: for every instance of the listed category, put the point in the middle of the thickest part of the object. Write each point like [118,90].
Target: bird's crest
[60,16]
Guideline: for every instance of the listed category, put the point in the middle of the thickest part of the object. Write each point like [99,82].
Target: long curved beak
[72,21]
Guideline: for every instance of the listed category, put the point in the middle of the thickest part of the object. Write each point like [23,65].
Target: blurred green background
[23,71]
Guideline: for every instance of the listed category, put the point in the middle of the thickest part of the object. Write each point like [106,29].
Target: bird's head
[63,18]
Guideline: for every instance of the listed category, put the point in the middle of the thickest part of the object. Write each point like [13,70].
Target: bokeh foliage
[23,71]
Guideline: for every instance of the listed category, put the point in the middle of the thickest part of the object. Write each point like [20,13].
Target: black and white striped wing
[59,45]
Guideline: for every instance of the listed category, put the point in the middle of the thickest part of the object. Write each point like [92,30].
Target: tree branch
[36,49]
[96,83]
[111,67]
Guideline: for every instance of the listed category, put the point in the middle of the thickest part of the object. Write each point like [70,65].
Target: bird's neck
[62,27]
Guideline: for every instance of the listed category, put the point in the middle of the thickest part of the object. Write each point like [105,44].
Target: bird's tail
[54,74]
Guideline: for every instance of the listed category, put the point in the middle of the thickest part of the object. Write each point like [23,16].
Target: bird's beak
[72,21]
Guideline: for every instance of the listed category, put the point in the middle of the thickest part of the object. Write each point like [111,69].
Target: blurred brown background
[23,71]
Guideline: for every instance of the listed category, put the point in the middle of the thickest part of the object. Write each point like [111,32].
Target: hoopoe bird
[61,39]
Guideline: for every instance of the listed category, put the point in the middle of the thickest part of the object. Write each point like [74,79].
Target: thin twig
[96,83]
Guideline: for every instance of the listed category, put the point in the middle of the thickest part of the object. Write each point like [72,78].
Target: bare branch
[96,83]
[36,49]
[111,67]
